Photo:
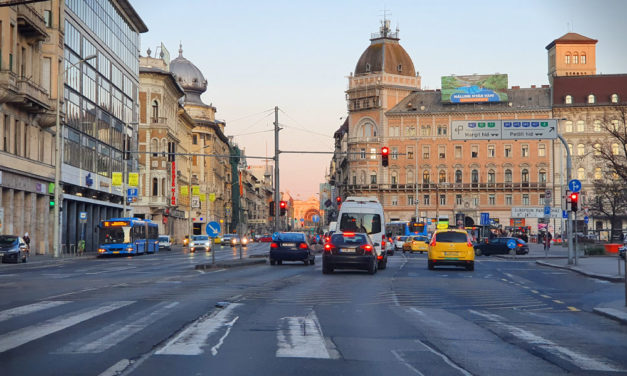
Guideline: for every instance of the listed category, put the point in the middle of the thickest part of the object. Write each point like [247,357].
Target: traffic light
[283,206]
[52,203]
[338,199]
[385,154]
[271,208]
[574,199]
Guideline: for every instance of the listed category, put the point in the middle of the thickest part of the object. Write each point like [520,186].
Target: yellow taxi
[451,247]
[417,243]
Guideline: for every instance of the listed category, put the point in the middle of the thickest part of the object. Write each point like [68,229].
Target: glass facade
[100,93]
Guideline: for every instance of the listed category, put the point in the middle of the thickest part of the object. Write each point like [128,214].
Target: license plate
[347,250]
[288,244]
[116,251]
[450,253]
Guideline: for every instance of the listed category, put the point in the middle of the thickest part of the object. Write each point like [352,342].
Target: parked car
[499,246]
[349,250]
[451,247]
[200,243]
[398,242]
[165,243]
[13,249]
[291,246]
[417,243]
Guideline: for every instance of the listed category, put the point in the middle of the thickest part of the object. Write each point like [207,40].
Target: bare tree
[610,201]
[611,149]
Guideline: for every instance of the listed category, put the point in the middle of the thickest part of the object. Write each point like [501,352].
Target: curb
[526,257]
[604,277]
[231,264]
[612,313]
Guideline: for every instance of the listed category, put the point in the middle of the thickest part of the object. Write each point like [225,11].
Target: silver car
[200,243]
[13,249]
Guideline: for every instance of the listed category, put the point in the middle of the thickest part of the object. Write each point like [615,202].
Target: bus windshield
[358,222]
[121,234]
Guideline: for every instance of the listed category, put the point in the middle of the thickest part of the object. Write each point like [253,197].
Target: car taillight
[367,248]
[382,244]
[349,234]
[327,239]
[520,244]
[274,245]
[380,257]
[470,243]
[328,247]
[303,246]
[432,244]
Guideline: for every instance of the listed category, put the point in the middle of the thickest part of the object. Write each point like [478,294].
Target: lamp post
[59,158]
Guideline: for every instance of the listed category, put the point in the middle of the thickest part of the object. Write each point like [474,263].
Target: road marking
[192,339]
[21,336]
[109,336]
[535,291]
[117,368]
[545,296]
[301,337]
[573,309]
[30,308]
[214,349]
[400,359]
[558,301]
[445,358]
[581,360]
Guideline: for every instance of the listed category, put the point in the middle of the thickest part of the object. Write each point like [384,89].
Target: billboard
[475,88]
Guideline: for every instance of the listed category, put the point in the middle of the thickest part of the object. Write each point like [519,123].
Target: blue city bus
[405,228]
[128,236]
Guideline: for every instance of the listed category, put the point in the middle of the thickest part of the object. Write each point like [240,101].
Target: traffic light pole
[277,191]
[569,223]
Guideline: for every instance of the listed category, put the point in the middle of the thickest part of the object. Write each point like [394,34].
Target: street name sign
[534,212]
[519,129]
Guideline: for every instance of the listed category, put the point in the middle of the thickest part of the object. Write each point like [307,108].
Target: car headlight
[101,250]
[207,243]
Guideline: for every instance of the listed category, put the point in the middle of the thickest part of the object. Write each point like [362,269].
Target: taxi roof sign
[442,226]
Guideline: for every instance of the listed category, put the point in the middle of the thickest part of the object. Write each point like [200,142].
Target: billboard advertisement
[475,88]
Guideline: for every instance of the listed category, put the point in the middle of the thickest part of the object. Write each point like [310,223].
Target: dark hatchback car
[13,249]
[499,246]
[349,250]
[290,246]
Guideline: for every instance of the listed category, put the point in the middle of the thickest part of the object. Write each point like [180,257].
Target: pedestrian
[547,241]
[27,241]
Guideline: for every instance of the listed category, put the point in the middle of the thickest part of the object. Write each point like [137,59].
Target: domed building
[189,77]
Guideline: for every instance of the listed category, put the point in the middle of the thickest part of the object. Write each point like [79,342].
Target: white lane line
[117,368]
[112,270]
[109,336]
[301,337]
[214,349]
[400,359]
[446,359]
[21,336]
[581,360]
[191,340]
[30,308]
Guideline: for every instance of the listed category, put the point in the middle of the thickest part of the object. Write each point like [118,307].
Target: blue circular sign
[511,244]
[574,185]
[315,218]
[213,229]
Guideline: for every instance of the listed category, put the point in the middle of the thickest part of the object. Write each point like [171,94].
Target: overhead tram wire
[269,111]
[301,128]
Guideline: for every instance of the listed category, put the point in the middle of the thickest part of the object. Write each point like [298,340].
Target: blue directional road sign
[511,244]
[484,219]
[213,229]
[586,219]
[564,214]
[547,210]
[132,192]
[315,218]
[574,185]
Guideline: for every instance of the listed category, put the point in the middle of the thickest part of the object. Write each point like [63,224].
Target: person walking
[547,241]
[27,241]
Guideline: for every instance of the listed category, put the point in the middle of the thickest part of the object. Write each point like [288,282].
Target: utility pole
[277,190]
[569,223]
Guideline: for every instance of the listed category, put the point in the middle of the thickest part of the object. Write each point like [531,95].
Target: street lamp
[59,159]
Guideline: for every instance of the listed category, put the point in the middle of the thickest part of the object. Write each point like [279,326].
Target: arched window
[581,173]
[474,176]
[155,111]
[568,126]
[567,59]
[164,145]
[614,98]
[597,173]
[581,149]
[575,56]
[426,177]
[163,186]
[491,176]
[154,147]
[524,176]
[458,176]
[583,58]
[410,177]
[155,186]
[615,149]
[394,177]
[442,176]
[591,98]
[542,177]
[508,176]
[568,99]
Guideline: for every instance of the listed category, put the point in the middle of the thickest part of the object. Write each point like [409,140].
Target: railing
[446,186]
[30,22]
[159,120]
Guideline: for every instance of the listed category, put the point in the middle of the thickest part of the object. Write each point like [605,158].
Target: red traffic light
[574,197]
[283,204]
[338,199]
[385,150]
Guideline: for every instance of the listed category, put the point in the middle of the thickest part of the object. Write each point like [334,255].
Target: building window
[399,68]
[491,151]
[442,130]
[491,177]
[48,18]
[410,152]
[425,152]
[442,176]
[373,153]
[581,149]
[458,199]
[492,199]
[458,176]
[155,187]
[354,179]
[508,200]
[442,151]
[581,126]
[615,149]
[410,200]
[442,199]
[524,150]
[195,139]
[591,99]
[524,176]
[155,111]
[568,126]
[394,201]
[541,150]
[597,125]
[525,199]
[570,148]
[542,177]
[474,151]
[426,178]
[566,59]
[394,178]
[581,173]
[508,176]
[373,178]
[583,58]
[575,56]
[154,147]
[411,131]
[597,149]
[614,98]
[597,173]
[426,200]
[394,152]
[568,99]
[507,151]
[425,130]
[362,153]
[458,151]
[474,176]
[410,177]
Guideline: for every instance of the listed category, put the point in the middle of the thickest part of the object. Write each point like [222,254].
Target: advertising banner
[184,190]
[475,88]
[202,197]
[133,179]
[195,190]
[116,179]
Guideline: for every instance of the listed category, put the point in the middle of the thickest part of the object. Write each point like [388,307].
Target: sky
[297,55]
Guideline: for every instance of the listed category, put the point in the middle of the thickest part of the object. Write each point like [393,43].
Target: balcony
[159,120]
[24,93]
[442,187]
[30,24]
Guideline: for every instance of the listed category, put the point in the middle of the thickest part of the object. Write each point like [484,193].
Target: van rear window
[451,237]
[360,222]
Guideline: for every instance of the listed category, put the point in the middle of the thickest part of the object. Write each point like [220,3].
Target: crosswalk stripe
[109,336]
[301,337]
[191,340]
[19,337]
[30,308]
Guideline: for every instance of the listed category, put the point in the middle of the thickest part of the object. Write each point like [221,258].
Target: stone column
[43,218]
[18,213]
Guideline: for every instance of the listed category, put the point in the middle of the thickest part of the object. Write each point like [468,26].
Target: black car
[290,246]
[13,249]
[349,250]
[499,246]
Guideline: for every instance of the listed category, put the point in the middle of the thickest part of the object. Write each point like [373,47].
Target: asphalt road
[156,315]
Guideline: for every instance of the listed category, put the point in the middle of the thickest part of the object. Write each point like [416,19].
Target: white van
[365,214]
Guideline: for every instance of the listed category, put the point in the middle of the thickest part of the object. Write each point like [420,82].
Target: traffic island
[231,263]
[592,267]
